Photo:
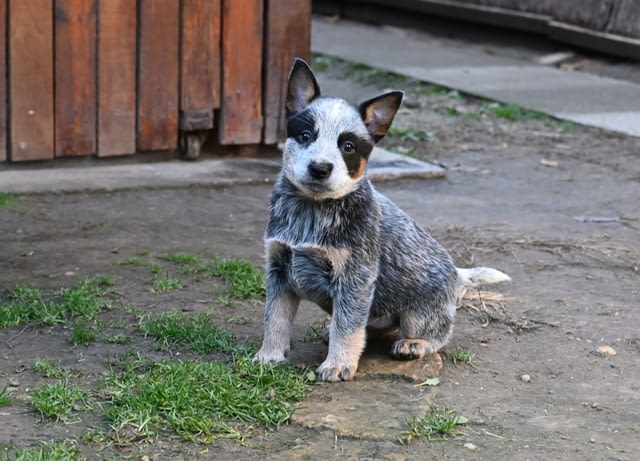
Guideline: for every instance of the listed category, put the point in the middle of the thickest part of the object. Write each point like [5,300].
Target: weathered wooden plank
[75,77]
[288,35]
[3,81]
[31,79]
[158,74]
[200,63]
[241,110]
[625,19]
[116,78]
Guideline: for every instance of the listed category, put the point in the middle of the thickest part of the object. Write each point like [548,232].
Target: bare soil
[556,207]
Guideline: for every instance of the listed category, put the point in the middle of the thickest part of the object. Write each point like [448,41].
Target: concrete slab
[384,165]
[575,96]
[380,410]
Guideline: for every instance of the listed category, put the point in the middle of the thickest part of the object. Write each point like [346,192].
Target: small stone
[525,378]
[592,440]
[470,446]
[606,351]
[14,383]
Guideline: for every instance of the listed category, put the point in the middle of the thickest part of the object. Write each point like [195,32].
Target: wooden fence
[609,26]
[115,77]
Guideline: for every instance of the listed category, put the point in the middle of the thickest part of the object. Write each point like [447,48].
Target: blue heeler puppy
[334,240]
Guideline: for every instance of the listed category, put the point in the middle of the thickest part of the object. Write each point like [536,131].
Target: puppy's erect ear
[377,113]
[302,89]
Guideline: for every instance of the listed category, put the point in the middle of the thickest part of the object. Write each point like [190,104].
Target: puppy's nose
[320,170]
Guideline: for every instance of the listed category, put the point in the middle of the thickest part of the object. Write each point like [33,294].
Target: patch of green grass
[411,134]
[46,451]
[154,268]
[450,112]
[429,89]
[196,333]
[244,279]
[82,333]
[5,400]
[314,332]
[87,299]
[117,338]
[202,401]
[473,116]
[462,355]
[50,370]
[132,261]
[180,258]
[137,261]
[439,422]
[513,112]
[402,150]
[8,201]
[164,283]
[321,62]
[370,76]
[566,126]
[59,400]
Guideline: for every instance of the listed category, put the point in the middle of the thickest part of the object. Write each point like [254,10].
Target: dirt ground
[555,206]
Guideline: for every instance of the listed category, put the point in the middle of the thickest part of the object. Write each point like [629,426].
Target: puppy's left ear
[377,113]
[302,87]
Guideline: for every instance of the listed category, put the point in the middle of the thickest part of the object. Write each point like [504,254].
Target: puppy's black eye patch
[354,150]
[301,126]
[351,143]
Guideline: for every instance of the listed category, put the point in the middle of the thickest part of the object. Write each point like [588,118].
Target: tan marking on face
[361,169]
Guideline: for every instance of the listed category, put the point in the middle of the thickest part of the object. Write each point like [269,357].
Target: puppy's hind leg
[423,334]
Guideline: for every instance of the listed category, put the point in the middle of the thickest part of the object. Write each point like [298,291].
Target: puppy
[334,240]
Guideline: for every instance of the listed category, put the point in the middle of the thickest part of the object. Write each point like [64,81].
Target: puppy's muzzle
[320,170]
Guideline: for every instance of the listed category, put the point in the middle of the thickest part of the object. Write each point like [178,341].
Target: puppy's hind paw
[334,373]
[410,349]
[267,357]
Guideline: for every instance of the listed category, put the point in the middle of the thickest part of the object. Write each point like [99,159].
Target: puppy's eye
[304,137]
[348,147]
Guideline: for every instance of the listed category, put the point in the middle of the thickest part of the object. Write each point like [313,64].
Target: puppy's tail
[476,276]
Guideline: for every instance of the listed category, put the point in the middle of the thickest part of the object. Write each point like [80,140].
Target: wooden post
[158,74]
[200,63]
[75,77]
[288,35]
[116,77]
[241,111]
[31,79]
[3,81]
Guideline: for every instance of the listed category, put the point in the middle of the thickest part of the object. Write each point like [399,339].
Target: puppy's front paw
[269,357]
[410,349]
[334,372]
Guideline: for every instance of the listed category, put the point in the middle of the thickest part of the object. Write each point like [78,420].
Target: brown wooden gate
[115,77]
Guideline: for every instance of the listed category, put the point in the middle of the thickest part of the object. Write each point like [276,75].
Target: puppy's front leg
[281,308]
[280,312]
[347,336]
[345,349]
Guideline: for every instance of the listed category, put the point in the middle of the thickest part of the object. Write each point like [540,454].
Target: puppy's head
[329,140]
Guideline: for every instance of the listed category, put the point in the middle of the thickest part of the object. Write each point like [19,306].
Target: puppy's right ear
[302,89]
